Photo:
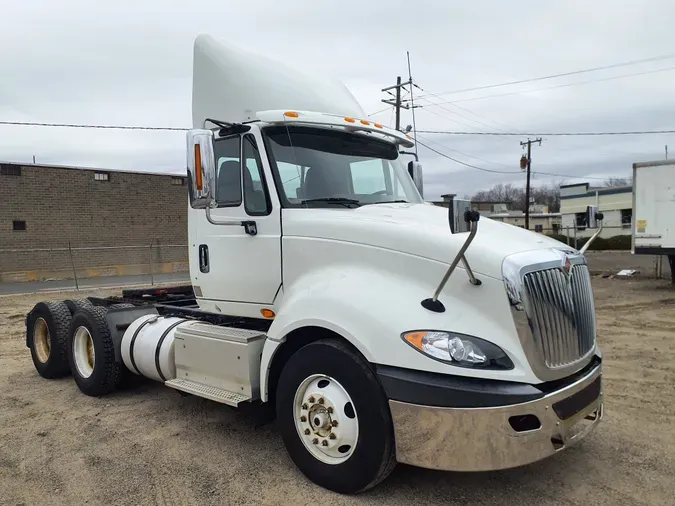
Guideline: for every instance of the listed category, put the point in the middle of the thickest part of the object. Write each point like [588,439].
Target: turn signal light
[198,167]
[267,313]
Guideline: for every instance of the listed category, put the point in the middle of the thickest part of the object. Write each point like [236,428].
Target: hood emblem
[566,266]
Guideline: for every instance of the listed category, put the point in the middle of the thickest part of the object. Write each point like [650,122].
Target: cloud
[130,63]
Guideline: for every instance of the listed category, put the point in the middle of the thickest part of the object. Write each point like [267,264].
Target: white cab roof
[230,84]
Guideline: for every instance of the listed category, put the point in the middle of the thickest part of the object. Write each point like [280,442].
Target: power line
[74,125]
[559,86]
[551,134]
[443,132]
[444,146]
[553,76]
[378,112]
[507,172]
[464,163]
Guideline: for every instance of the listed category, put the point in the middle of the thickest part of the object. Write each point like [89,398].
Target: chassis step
[208,392]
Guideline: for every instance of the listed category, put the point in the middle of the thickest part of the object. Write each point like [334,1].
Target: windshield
[325,167]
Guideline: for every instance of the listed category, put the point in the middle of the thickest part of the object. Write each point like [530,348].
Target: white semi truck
[376,328]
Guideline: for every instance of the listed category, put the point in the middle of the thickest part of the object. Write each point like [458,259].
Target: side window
[368,177]
[228,178]
[255,193]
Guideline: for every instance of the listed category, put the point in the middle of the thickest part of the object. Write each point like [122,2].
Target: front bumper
[498,437]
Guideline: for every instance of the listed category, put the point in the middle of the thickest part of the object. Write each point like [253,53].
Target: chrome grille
[561,313]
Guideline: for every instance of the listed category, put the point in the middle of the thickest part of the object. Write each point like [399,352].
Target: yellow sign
[641,226]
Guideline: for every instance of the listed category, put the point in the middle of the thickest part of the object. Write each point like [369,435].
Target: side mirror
[593,216]
[457,215]
[201,162]
[415,171]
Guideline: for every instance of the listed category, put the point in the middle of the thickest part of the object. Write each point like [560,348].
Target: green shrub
[617,242]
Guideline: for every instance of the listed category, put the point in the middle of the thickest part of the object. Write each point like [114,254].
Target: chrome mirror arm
[599,217]
[433,304]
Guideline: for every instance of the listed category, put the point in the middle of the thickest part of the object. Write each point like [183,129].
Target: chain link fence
[150,261]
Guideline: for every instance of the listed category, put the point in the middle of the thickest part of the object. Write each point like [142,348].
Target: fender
[370,307]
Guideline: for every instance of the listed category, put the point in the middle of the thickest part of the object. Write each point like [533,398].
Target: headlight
[458,349]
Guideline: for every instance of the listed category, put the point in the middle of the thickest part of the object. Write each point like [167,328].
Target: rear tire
[91,353]
[47,337]
[324,378]
[74,305]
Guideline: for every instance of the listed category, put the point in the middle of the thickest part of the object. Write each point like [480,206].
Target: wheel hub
[325,419]
[83,352]
[41,340]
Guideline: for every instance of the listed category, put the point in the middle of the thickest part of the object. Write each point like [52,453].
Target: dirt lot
[148,445]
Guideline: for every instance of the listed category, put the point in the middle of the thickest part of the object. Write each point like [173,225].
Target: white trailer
[375,328]
[654,210]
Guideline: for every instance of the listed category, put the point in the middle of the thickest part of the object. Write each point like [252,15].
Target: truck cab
[379,328]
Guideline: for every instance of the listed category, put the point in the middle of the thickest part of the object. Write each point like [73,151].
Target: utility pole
[397,102]
[526,163]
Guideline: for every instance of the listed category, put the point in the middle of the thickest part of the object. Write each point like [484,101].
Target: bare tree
[545,194]
[619,181]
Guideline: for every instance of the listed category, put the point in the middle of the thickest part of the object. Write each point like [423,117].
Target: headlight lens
[458,349]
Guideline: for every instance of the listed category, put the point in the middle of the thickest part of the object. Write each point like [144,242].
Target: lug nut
[332,436]
[304,406]
[315,441]
[307,432]
[324,443]
[303,418]
[335,423]
[311,399]
[321,400]
[329,409]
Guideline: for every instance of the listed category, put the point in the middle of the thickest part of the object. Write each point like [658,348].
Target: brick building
[57,210]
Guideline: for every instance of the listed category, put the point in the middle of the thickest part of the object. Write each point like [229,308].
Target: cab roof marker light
[291,114]
[334,120]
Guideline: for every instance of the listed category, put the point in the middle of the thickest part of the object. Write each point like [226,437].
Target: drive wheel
[91,352]
[334,418]
[47,328]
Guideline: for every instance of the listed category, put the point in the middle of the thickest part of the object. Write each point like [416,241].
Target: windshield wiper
[390,202]
[335,200]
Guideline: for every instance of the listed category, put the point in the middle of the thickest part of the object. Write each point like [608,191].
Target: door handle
[250,227]
[203,258]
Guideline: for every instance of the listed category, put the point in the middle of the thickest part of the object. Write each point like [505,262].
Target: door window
[255,193]
[228,177]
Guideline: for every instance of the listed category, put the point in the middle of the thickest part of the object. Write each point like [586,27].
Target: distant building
[542,222]
[488,206]
[50,212]
[615,203]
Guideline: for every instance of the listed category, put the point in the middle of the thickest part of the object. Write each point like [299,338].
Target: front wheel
[334,418]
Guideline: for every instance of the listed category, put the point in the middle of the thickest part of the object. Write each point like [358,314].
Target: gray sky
[129,62]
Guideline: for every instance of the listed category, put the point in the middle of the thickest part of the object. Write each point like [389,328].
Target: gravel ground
[149,445]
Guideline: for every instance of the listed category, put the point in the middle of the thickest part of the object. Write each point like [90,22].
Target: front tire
[334,418]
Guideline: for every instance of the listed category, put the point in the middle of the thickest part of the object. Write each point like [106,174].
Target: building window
[101,176]
[556,228]
[539,228]
[626,218]
[18,225]
[10,170]
[580,221]
[178,181]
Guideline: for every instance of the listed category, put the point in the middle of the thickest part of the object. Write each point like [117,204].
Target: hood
[416,229]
